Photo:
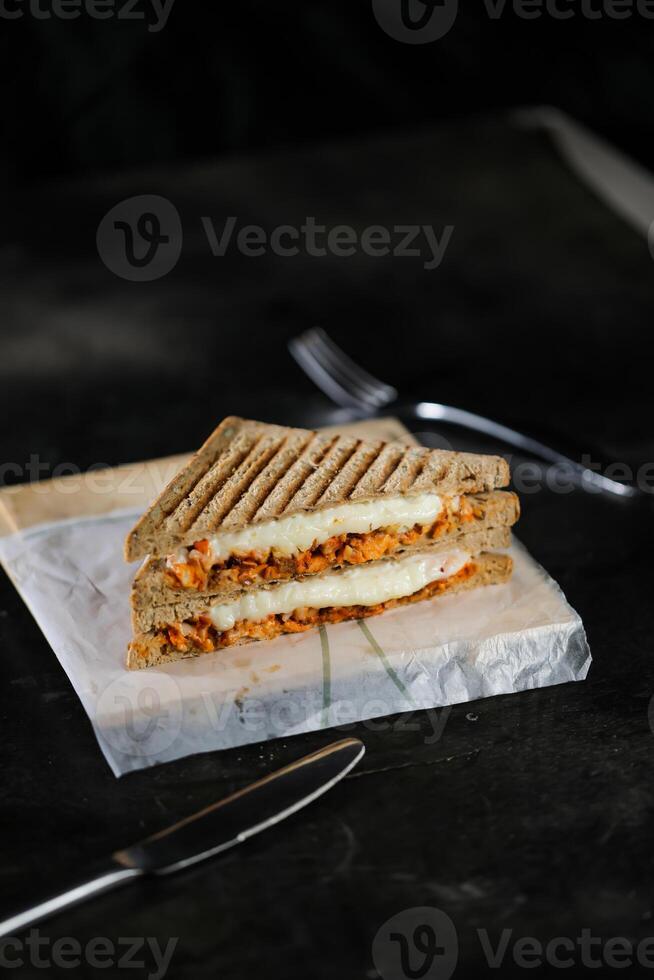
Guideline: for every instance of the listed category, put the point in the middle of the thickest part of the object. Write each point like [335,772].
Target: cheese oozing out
[299,532]
[365,585]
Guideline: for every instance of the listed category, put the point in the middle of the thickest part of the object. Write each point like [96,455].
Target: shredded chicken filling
[200,571]
[199,635]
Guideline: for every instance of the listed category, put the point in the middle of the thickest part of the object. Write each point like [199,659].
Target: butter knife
[208,832]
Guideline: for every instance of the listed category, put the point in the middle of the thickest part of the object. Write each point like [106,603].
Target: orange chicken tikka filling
[200,634]
[201,571]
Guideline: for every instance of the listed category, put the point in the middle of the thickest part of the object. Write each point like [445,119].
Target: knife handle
[107,876]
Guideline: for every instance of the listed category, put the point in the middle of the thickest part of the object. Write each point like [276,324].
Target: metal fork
[349,385]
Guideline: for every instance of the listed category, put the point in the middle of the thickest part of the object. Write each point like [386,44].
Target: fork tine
[328,364]
[322,377]
[350,375]
[349,369]
[349,382]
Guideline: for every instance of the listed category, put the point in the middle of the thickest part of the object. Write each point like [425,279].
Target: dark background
[86,96]
[532,812]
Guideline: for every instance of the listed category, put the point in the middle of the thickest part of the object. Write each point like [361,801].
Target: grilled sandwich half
[271,530]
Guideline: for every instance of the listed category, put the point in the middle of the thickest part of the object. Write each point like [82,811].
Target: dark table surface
[532,812]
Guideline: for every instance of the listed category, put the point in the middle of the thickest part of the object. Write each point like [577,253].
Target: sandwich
[270,530]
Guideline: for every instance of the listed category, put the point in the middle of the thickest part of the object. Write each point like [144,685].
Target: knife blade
[618,180]
[210,831]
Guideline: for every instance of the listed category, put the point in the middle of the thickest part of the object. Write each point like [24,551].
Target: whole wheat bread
[500,508]
[248,472]
[490,569]
[181,607]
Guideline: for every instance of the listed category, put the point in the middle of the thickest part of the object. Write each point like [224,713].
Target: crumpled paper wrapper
[495,640]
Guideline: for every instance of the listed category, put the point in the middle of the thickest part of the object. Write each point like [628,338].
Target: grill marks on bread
[248,472]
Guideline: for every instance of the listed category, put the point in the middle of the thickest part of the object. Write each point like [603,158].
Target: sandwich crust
[248,472]
[152,648]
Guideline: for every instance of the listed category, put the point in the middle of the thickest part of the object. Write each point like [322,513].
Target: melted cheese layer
[290,535]
[366,585]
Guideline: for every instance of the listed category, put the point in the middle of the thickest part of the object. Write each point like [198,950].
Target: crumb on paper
[238,697]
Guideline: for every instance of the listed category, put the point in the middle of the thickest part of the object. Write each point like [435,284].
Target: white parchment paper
[494,640]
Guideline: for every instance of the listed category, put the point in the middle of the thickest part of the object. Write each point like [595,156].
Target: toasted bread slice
[180,607]
[150,649]
[154,587]
[248,472]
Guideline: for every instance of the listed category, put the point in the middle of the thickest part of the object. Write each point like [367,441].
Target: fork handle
[434,412]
